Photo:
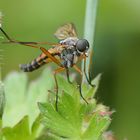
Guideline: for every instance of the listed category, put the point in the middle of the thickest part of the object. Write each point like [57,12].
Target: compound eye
[82,45]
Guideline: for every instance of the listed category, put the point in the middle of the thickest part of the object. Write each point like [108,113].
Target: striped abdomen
[35,64]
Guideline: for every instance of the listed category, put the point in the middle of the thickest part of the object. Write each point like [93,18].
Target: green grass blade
[90,22]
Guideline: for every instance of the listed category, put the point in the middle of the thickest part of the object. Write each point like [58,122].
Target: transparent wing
[65,31]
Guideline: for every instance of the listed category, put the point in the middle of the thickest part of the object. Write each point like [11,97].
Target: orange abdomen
[35,64]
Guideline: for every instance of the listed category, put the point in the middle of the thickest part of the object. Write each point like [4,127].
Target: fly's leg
[10,40]
[88,77]
[80,88]
[56,84]
[68,77]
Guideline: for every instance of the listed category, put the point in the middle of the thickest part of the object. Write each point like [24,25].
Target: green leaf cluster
[20,117]
[75,119]
[29,113]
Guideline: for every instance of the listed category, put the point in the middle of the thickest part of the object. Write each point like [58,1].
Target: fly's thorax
[70,41]
[68,57]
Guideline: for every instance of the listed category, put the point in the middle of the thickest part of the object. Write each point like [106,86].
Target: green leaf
[19,132]
[22,100]
[98,124]
[64,85]
[89,91]
[67,107]
[36,127]
[54,121]
[96,82]
[38,92]
[2,99]
[75,120]
[15,90]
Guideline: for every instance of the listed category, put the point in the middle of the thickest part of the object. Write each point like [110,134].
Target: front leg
[67,74]
[80,88]
[56,84]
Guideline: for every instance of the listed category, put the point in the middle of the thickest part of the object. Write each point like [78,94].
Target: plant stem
[0,74]
[90,22]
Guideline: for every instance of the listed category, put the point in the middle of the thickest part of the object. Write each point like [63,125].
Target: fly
[66,54]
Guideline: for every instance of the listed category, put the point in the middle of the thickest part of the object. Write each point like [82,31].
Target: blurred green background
[116,48]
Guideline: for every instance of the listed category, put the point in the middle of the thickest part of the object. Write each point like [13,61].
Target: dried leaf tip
[109,136]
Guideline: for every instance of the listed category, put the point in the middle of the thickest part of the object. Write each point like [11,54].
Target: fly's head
[82,45]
